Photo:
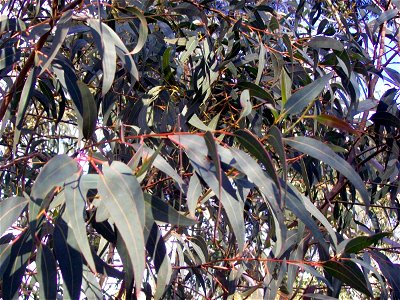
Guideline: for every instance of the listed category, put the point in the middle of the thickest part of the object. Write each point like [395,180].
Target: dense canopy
[199,149]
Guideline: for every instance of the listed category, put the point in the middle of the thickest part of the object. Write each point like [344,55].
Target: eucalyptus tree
[199,149]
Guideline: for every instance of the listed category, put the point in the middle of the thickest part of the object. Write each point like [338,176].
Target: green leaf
[191,45]
[193,193]
[75,200]
[256,91]
[122,51]
[286,86]
[384,17]
[47,272]
[251,143]
[385,118]
[158,210]
[122,195]
[261,62]
[108,54]
[157,250]
[143,29]
[248,166]
[276,141]
[325,154]
[349,273]
[300,99]
[10,209]
[213,153]
[26,94]
[334,122]
[55,172]
[19,255]
[159,162]
[69,259]
[66,76]
[359,243]
[8,56]
[319,42]
[61,32]
[201,164]
[89,111]
[245,103]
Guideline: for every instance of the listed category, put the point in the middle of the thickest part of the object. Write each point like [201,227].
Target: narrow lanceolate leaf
[325,154]
[8,56]
[276,141]
[10,209]
[191,45]
[89,111]
[157,250]
[75,198]
[261,62]
[359,243]
[251,143]
[59,36]
[335,122]
[23,104]
[389,270]
[159,162]
[143,29]
[55,172]
[108,54]
[158,210]
[349,273]
[47,273]
[299,100]
[69,259]
[245,103]
[193,194]
[213,153]
[386,119]
[123,197]
[19,255]
[319,42]
[206,169]
[121,49]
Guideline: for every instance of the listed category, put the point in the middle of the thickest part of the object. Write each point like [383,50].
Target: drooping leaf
[191,45]
[106,46]
[300,99]
[276,140]
[359,243]
[123,198]
[389,270]
[143,29]
[89,111]
[349,273]
[193,194]
[61,32]
[384,17]
[245,103]
[54,173]
[335,122]
[47,273]
[10,209]
[8,56]
[385,118]
[250,142]
[75,199]
[325,154]
[26,95]
[69,259]
[319,42]
[261,62]
[158,210]
[19,255]
[205,169]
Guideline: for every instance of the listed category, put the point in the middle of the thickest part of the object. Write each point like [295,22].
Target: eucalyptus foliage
[199,149]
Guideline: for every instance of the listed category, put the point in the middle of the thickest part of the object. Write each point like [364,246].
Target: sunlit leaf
[123,198]
[300,99]
[10,209]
